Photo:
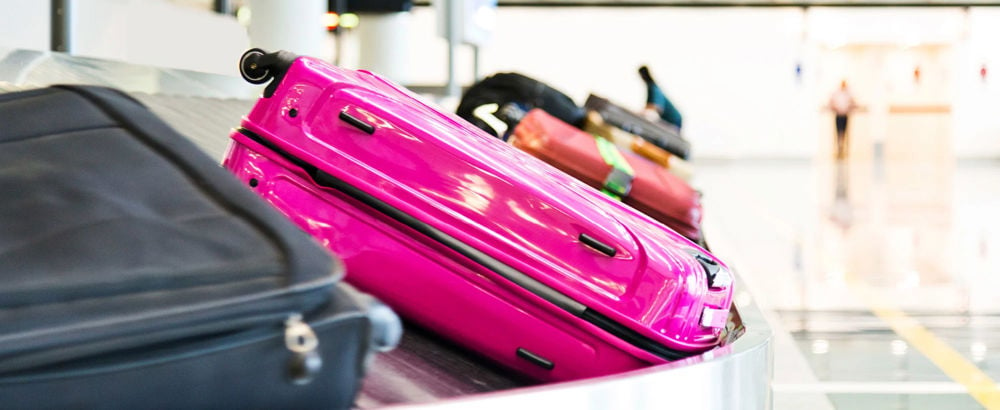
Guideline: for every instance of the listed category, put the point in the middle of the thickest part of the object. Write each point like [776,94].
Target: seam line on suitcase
[530,284]
[60,133]
[85,344]
[235,340]
[477,256]
[33,94]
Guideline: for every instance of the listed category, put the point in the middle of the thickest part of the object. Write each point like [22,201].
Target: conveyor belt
[424,368]
[206,121]
[40,68]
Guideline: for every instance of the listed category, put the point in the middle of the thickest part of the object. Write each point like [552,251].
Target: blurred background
[751,78]
[877,272]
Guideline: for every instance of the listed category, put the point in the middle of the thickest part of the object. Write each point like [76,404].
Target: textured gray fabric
[108,215]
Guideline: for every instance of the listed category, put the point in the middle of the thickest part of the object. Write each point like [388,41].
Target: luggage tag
[618,183]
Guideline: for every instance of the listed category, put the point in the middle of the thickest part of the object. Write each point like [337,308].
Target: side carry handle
[597,245]
[258,67]
[357,123]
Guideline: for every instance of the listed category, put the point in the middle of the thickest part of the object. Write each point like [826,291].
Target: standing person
[657,101]
[842,103]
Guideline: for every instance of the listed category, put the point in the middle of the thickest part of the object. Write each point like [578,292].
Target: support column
[296,26]
[383,42]
[224,7]
[452,26]
[61,34]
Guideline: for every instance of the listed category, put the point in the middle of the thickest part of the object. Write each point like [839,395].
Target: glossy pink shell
[519,210]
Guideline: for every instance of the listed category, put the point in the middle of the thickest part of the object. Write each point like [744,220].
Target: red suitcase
[639,183]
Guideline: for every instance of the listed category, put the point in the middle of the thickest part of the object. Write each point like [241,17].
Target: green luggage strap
[619,181]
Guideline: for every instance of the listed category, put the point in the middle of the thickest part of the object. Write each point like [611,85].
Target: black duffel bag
[514,93]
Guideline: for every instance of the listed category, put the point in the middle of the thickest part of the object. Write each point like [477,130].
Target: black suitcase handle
[258,67]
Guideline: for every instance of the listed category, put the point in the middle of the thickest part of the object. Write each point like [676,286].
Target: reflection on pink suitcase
[468,236]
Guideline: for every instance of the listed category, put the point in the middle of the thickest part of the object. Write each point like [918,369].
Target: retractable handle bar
[258,67]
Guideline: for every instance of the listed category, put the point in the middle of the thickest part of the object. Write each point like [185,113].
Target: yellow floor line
[979,385]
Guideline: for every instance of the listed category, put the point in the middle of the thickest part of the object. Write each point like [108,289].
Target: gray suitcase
[139,274]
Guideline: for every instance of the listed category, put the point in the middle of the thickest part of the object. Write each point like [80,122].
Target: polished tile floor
[880,275]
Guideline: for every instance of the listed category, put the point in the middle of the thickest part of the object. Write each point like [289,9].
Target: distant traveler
[657,100]
[842,103]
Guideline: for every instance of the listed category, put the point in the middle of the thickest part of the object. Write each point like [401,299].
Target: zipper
[299,337]
[47,346]
[53,346]
[301,341]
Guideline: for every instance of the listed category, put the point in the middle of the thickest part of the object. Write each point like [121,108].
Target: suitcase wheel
[250,68]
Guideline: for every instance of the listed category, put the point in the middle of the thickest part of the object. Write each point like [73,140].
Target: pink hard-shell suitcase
[470,237]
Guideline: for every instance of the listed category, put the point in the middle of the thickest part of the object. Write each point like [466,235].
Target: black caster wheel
[250,68]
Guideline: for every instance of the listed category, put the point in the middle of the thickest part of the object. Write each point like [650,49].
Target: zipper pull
[300,339]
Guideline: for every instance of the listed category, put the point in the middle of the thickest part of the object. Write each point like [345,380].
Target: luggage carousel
[425,371]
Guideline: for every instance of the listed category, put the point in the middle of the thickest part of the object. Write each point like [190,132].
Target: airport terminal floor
[877,275]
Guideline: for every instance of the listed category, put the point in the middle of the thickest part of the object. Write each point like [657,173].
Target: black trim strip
[517,277]
[632,337]
[357,122]
[325,179]
[597,245]
[535,359]
[477,256]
